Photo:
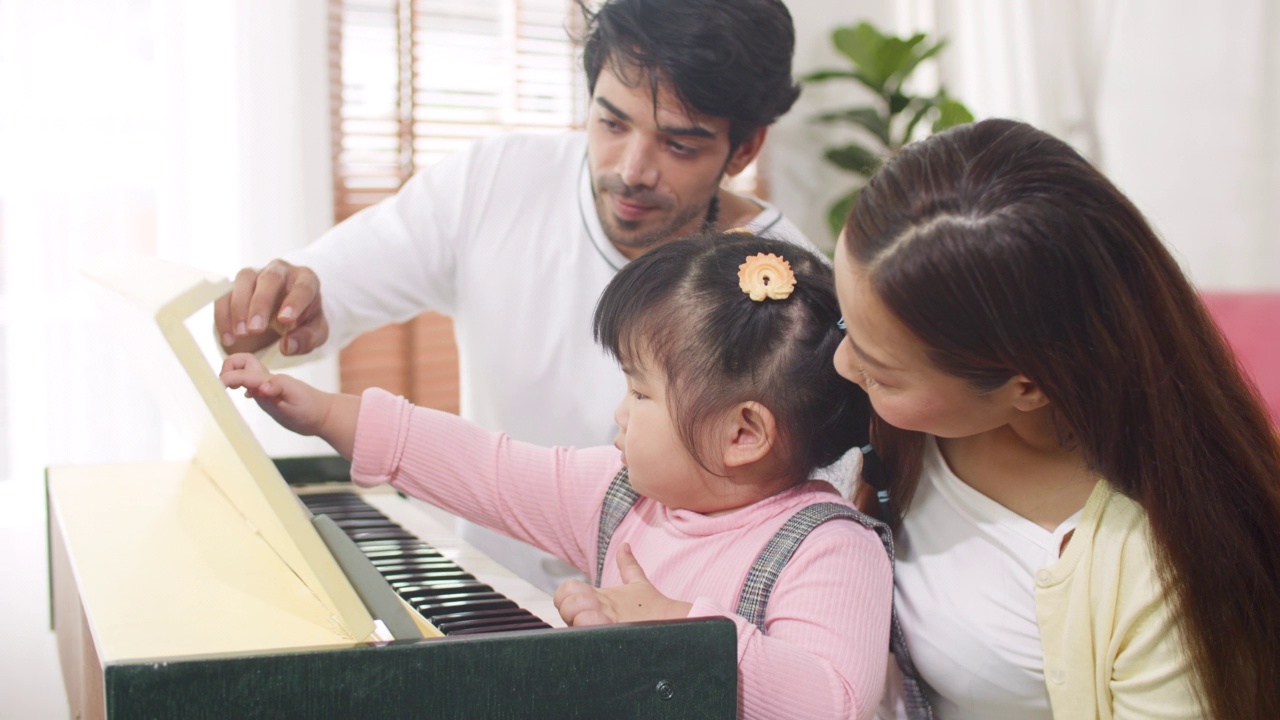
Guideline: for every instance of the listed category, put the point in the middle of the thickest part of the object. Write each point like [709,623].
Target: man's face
[653,173]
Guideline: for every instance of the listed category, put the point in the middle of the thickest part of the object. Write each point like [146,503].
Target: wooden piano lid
[163,298]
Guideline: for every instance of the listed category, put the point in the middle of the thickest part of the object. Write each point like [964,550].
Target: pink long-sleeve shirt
[825,647]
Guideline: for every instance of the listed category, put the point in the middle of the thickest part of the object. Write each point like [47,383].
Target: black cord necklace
[713,214]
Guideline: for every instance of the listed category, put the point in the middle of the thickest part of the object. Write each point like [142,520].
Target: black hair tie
[713,214]
[874,474]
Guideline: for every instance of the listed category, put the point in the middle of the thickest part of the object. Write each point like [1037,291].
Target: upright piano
[232,585]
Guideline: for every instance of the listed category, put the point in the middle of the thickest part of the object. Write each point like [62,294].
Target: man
[516,237]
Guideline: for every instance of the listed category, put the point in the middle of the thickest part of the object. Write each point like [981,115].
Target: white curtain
[192,130]
[1176,100]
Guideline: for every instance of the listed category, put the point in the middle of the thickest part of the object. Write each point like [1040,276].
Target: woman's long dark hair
[1007,253]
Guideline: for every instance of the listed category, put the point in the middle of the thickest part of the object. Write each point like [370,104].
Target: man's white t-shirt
[504,238]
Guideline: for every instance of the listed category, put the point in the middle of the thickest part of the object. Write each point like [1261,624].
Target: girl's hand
[635,600]
[290,402]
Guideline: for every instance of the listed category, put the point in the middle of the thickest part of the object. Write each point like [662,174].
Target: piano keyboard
[457,592]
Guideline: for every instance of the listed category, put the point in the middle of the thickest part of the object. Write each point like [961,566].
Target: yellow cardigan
[1111,648]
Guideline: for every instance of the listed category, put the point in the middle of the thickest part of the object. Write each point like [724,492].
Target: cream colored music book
[187,386]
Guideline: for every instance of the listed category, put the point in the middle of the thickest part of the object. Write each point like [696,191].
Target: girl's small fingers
[568,589]
[591,617]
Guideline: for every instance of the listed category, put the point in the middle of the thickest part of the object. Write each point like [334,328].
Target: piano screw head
[665,690]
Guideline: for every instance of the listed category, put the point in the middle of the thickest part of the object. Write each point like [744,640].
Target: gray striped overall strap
[774,557]
[618,500]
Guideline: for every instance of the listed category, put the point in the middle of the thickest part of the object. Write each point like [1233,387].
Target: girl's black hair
[680,307]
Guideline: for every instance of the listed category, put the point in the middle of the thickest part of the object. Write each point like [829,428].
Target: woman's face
[890,363]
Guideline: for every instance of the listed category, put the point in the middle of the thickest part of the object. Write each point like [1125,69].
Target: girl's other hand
[635,600]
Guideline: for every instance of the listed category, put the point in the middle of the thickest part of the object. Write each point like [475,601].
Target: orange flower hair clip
[766,276]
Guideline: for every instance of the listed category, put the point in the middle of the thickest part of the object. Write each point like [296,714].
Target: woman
[1085,488]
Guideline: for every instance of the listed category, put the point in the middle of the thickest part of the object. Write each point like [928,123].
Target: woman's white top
[965,588]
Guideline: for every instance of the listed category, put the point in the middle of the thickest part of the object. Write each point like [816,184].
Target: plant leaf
[866,117]
[873,85]
[854,158]
[822,75]
[898,102]
[897,55]
[862,44]
[951,113]
[839,212]
[883,63]
[910,66]
[926,104]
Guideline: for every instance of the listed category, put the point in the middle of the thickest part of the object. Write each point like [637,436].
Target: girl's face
[661,468]
[890,363]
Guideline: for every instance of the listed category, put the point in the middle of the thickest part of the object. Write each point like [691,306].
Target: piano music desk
[166,603]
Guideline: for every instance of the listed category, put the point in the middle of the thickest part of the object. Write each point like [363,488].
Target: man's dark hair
[723,58]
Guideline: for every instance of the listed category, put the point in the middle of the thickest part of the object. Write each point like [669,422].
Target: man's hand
[281,301]
[635,600]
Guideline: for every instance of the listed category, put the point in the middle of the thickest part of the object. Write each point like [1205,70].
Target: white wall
[1176,100]
[800,181]
[1189,116]
[198,131]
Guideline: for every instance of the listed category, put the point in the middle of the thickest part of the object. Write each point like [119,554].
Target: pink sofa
[1251,322]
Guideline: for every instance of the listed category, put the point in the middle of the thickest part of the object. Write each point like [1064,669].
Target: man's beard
[622,232]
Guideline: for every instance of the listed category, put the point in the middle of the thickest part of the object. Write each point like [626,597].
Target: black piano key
[348,513]
[429,609]
[414,564]
[430,582]
[463,597]
[345,510]
[495,613]
[380,534]
[409,558]
[311,499]
[422,592]
[387,563]
[387,548]
[410,578]
[450,627]
[357,523]
[534,624]
[426,575]
[328,506]
[344,515]
[437,571]
[435,586]
[376,555]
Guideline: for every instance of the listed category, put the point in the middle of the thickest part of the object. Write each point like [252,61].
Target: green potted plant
[883,64]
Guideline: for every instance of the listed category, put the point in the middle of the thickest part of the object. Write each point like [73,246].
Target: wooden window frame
[417,359]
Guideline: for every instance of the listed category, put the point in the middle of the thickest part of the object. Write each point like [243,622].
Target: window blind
[412,81]
[417,80]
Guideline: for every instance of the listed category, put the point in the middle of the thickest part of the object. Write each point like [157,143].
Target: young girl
[732,403]
[1086,490]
